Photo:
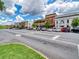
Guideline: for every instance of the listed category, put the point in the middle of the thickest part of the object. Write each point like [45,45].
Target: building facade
[21,25]
[51,19]
[40,22]
[65,20]
[30,23]
[48,18]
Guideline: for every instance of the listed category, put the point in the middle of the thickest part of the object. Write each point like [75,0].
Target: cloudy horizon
[35,9]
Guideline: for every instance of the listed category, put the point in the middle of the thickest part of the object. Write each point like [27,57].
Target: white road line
[55,37]
[78,49]
[18,35]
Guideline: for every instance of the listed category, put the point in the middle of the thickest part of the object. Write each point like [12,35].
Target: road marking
[55,37]
[18,35]
[78,49]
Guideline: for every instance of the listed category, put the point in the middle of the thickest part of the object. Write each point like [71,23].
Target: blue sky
[35,9]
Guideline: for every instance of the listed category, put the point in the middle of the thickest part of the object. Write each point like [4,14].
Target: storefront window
[62,22]
[67,21]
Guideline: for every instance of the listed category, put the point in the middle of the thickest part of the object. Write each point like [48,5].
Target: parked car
[50,30]
[43,29]
[65,29]
[56,29]
[34,28]
[76,29]
[29,28]
[38,28]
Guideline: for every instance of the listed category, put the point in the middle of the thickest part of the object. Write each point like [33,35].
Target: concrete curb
[41,54]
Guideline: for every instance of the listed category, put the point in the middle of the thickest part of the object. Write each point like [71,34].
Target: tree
[22,25]
[75,22]
[34,26]
[47,25]
[1,5]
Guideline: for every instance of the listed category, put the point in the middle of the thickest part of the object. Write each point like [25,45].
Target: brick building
[48,18]
[51,19]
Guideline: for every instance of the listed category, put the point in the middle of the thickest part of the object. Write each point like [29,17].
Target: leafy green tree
[34,26]
[75,22]
[47,25]
[1,5]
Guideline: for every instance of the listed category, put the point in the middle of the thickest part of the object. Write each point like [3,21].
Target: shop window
[67,21]
[62,22]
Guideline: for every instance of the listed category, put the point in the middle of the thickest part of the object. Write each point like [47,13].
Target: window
[57,22]
[62,22]
[67,21]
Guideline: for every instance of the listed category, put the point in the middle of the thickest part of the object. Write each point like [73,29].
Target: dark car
[76,29]
[29,28]
[41,29]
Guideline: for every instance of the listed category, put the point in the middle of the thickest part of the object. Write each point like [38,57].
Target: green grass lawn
[17,51]
[2,27]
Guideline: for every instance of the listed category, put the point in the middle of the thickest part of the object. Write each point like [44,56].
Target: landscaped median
[18,51]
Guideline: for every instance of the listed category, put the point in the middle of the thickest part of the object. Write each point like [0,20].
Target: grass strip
[18,51]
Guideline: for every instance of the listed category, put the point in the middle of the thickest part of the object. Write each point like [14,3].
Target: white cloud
[20,1]
[40,7]
[19,19]
[62,7]
[2,21]
[6,23]
[33,6]
[10,11]
[9,4]
[74,6]
[28,6]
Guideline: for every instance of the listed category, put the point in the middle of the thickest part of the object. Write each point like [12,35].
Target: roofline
[66,15]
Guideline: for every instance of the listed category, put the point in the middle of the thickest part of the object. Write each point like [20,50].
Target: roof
[51,14]
[67,15]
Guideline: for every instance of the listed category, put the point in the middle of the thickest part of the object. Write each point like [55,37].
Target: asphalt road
[55,45]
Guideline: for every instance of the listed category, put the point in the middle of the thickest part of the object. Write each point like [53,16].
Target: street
[54,45]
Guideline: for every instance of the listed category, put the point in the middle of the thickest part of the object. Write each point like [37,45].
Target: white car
[56,29]
[43,29]
[49,29]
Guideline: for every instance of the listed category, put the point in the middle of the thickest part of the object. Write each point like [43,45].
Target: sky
[29,10]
